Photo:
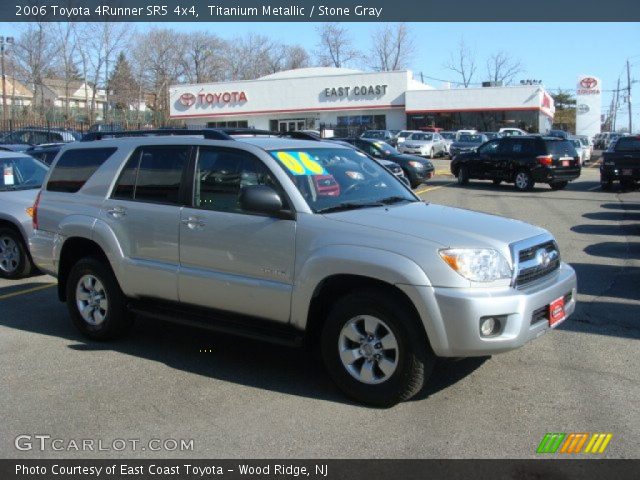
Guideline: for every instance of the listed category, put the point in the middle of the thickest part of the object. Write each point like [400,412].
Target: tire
[463,175]
[412,182]
[408,361]
[558,185]
[91,276]
[496,181]
[15,261]
[523,181]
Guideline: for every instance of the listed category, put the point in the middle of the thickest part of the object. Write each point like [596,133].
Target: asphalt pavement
[237,398]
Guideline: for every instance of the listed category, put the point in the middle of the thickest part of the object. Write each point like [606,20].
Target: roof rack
[208,133]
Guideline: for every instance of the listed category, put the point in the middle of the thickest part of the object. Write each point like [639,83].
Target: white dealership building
[342,100]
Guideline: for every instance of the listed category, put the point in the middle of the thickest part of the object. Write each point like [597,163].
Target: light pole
[4,43]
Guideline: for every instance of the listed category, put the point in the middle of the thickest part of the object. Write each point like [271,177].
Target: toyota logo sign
[588,83]
[187,99]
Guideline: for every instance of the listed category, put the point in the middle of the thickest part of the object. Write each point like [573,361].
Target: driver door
[230,259]
[487,159]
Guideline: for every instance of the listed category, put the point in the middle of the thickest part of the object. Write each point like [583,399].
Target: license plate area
[627,171]
[556,312]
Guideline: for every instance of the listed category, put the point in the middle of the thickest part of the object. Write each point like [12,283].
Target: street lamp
[4,43]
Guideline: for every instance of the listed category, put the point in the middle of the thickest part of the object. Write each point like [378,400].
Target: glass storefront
[484,121]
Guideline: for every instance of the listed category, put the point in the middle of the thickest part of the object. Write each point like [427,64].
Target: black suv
[523,160]
[417,169]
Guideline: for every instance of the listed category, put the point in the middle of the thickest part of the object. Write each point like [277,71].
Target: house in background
[17,94]
[76,94]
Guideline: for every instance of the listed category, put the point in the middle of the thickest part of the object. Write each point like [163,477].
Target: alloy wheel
[9,254]
[91,300]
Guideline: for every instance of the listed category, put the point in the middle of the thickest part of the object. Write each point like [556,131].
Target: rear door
[487,159]
[230,259]
[144,213]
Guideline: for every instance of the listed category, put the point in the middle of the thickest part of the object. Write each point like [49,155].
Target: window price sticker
[8,175]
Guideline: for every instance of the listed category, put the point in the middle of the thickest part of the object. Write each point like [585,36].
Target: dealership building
[342,99]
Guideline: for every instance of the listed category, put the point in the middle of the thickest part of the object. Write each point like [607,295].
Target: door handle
[117,212]
[193,222]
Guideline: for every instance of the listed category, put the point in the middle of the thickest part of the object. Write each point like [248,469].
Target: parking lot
[239,398]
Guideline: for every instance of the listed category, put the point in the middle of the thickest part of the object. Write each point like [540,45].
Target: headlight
[477,264]
[415,164]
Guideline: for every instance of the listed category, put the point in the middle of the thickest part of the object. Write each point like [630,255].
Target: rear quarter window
[75,167]
[560,147]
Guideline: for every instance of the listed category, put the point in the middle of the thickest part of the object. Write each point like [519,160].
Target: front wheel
[96,304]
[14,259]
[374,348]
[523,181]
[463,175]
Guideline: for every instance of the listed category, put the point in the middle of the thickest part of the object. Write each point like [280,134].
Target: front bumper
[451,316]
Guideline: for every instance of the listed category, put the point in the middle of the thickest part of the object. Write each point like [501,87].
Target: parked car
[401,137]
[393,167]
[521,160]
[424,144]
[21,179]
[492,135]
[416,169]
[37,136]
[384,135]
[45,152]
[612,138]
[296,242]
[511,131]
[559,134]
[466,143]
[583,152]
[461,132]
[448,138]
[587,143]
[621,163]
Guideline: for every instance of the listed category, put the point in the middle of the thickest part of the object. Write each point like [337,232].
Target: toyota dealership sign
[588,106]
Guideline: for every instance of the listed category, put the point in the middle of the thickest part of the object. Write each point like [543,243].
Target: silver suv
[296,242]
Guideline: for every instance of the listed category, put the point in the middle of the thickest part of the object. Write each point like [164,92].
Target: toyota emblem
[588,83]
[187,99]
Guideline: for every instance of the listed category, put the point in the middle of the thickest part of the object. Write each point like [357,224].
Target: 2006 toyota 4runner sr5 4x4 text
[297,242]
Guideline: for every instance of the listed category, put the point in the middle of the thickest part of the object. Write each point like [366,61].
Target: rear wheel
[431,154]
[463,175]
[523,181]
[96,304]
[558,185]
[374,348]
[14,259]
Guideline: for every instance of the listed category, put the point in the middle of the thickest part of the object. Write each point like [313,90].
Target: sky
[555,53]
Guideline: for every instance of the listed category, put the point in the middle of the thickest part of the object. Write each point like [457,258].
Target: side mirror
[260,199]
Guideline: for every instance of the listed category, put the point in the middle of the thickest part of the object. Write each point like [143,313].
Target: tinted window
[154,174]
[221,174]
[561,147]
[75,167]
[628,144]
[489,147]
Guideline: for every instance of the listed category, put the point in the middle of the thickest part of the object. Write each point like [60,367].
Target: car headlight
[477,264]
[416,164]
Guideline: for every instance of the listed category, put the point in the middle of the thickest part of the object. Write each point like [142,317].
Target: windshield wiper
[395,199]
[349,206]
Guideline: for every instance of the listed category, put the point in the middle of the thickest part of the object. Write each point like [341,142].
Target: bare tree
[392,47]
[502,68]
[296,57]
[251,57]
[335,47]
[203,59]
[35,55]
[463,63]
[66,58]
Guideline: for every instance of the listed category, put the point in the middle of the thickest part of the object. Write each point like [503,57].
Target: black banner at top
[319,11]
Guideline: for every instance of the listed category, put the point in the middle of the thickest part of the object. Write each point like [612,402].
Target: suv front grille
[537,262]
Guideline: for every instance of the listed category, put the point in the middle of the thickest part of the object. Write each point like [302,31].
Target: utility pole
[629,96]
[615,106]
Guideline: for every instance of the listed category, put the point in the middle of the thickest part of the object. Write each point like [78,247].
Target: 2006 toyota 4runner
[292,241]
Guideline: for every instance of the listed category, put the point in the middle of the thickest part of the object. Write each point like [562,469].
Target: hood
[446,226]
[403,158]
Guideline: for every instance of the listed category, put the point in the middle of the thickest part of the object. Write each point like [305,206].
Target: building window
[230,124]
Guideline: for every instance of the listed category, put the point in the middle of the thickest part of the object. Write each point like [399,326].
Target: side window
[222,173]
[153,174]
[489,148]
[75,167]
[38,138]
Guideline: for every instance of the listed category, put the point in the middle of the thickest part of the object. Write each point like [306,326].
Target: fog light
[489,326]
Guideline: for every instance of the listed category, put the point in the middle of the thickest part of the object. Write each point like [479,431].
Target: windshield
[471,138]
[421,136]
[373,134]
[21,173]
[385,148]
[334,179]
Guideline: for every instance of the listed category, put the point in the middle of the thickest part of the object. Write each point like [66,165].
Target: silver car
[425,144]
[21,179]
[296,242]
